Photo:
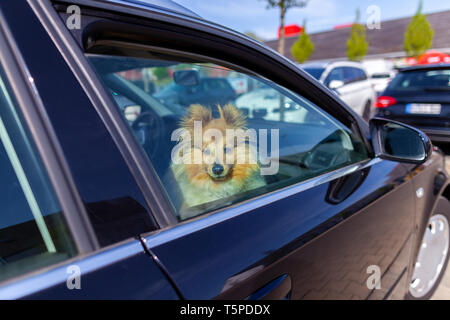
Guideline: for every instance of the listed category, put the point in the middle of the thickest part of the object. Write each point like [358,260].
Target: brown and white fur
[214,178]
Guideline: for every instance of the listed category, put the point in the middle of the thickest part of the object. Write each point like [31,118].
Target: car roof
[436,66]
[167,5]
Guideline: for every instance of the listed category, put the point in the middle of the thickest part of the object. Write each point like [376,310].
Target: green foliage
[303,47]
[419,35]
[286,4]
[356,43]
[160,73]
[253,36]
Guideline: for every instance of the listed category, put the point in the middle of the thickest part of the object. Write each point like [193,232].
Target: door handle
[278,289]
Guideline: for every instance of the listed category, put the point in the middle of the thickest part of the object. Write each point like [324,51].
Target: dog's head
[218,152]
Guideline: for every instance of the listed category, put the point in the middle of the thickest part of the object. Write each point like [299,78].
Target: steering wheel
[325,155]
[148,130]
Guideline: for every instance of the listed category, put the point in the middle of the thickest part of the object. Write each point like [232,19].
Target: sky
[321,15]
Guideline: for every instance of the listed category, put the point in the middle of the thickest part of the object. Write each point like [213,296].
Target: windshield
[421,80]
[315,72]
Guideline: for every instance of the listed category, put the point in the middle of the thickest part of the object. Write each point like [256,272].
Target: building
[385,43]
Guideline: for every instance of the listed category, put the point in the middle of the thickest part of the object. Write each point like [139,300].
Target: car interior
[307,147]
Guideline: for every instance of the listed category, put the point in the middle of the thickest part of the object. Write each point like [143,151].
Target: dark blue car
[420,97]
[209,92]
[91,204]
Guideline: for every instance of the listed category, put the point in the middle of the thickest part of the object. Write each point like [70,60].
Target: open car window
[217,136]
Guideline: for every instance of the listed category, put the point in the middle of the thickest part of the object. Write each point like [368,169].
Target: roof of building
[388,39]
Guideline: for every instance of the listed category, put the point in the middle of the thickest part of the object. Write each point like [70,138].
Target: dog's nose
[217,169]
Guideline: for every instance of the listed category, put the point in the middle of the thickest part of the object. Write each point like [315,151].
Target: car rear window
[421,80]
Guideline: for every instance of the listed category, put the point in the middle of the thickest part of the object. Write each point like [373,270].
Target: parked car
[381,80]
[264,103]
[240,84]
[349,80]
[208,91]
[380,73]
[92,209]
[420,96]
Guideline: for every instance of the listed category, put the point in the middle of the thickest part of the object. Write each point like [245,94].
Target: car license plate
[423,108]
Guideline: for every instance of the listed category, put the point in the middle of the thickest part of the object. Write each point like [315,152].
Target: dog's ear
[196,112]
[232,116]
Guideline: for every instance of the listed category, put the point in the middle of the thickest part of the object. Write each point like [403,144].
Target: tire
[367,110]
[433,255]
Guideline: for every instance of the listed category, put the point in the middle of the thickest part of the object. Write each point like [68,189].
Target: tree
[284,6]
[160,73]
[253,36]
[418,35]
[356,43]
[303,47]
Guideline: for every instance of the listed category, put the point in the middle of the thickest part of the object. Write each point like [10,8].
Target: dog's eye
[206,152]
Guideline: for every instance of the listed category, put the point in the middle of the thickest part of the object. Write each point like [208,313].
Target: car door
[354,89]
[366,87]
[316,229]
[61,215]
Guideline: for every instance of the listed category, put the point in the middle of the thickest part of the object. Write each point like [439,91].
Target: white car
[380,72]
[238,82]
[381,80]
[349,80]
[264,103]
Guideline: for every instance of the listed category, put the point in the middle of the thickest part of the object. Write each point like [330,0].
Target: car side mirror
[186,77]
[334,84]
[396,141]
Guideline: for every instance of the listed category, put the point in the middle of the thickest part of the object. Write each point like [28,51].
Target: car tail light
[384,102]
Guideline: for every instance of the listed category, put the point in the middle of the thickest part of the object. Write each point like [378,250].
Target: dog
[221,171]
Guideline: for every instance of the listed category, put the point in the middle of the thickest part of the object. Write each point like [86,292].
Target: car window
[335,74]
[433,80]
[362,74]
[350,74]
[215,149]
[380,76]
[33,232]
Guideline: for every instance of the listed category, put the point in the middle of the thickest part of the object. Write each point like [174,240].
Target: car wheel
[433,254]
[367,110]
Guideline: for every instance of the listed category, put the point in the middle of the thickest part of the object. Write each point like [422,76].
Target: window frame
[234,68]
[49,151]
[71,44]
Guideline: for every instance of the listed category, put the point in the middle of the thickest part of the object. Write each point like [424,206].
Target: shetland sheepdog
[225,167]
